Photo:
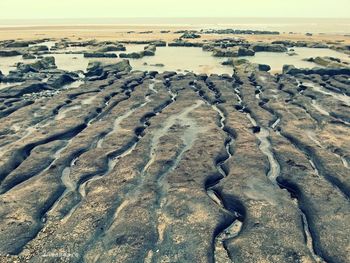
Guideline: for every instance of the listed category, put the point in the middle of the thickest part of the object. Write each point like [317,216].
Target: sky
[43,9]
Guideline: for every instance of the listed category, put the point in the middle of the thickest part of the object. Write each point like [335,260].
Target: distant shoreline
[299,25]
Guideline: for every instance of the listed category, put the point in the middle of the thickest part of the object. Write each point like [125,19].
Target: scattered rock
[99,55]
[110,48]
[292,70]
[264,67]
[261,47]
[189,35]
[159,65]
[256,129]
[99,69]
[59,80]
[225,52]
[291,53]
[9,53]
[328,62]
[318,45]
[43,64]
[242,51]
[134,55]
[181,43]
[28,56]
[235,62]
[19,44]
[239,32]
[25,88]
[38,48]
[149,50]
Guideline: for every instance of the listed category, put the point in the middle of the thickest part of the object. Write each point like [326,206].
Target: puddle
[266,149]
[192,59]
[277,60]
[9,63]
[182,59]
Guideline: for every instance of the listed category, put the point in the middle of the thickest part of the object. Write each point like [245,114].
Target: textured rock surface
[148,167]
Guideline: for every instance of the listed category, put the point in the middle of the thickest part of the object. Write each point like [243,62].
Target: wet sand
[120,32]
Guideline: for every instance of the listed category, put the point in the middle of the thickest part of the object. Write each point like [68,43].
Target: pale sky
[32,9]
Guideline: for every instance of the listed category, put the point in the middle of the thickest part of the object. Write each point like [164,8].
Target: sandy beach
[134,32]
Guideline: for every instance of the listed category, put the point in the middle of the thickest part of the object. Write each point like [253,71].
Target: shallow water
[174,59]
[277,60]
[70,62]
[8,63]
[181,59]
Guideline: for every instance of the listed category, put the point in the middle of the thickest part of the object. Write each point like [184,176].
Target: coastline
[120,32]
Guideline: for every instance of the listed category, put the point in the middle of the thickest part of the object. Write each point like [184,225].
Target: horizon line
[177,17]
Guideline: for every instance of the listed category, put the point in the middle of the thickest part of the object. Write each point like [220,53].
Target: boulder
[25,88]
[38,48]
[190,35]
[238,32]
[329,62]
[208,47]
[318,45]
[28,56]
[159,43]
[94,69]
[159,65]
[148,53]
[45,63]
[291,53]
[292,70]
[12,77]
[134,55]
[225,52]
[59,80]
[264,67]
[261,47]
[99,55]
[301,44]
[149,50]
[286,43]
[234,62]
[181,43]
[9,53]
[242,51]
[110,48]
[100,70]
[123,65]
[19,44]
